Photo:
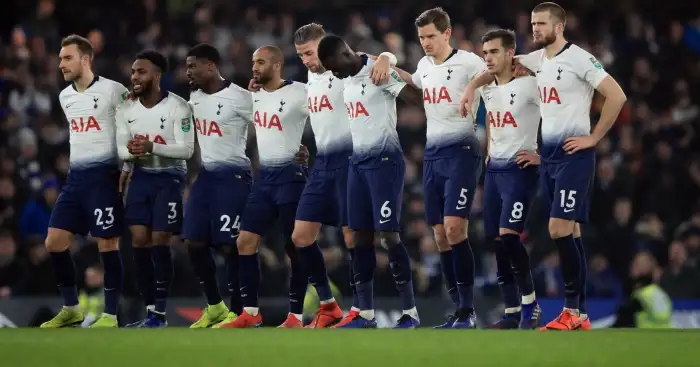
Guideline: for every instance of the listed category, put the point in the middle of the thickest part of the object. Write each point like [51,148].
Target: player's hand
[525,159]
[302,156]
[253,86]
[519,70]
[123,180]
[467,101]
[139,146]
[576,144]
[486,161]
[380,70]
[371,57]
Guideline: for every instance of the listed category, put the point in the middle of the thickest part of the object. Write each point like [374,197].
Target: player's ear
[448,32]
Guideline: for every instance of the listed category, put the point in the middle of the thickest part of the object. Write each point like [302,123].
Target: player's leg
[166,222]
[493,207]
[259,213]
[569,197]
[360,220]
[138,217]
[517,190]
[386,189]
[107,212]
[287,201]
[583,308]
[463,174]
[341,184]
[316,206]
[433,191]
[196,233]
[66,219]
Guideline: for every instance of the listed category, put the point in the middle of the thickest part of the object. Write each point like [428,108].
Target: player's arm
[183,134]
[410,79]
[243,105]
[398,88]
[588,69]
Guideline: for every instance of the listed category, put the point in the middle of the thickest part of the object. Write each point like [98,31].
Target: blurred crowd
[646,202]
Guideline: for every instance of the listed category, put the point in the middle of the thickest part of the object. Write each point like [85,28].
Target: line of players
[363,195]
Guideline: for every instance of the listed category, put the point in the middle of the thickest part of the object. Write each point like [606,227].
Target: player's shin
[249,271]
[311,258]
[584,275]
[163,271]
[571,268]
[235,303]
[113,274]
[64,271]
[520,261]
[400,265]
[205,270]
[145,280]
[506,278]
[364,267]
[298,282]
[350,244]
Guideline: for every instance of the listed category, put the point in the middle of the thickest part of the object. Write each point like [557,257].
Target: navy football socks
[464,273]
[505,274]
[312,261]
[205,269]
[235,303]
[520,261]
[145,279]
[298,282]
[113,279]
[571,269]
[64,271]
[163,272]
[584,274]
[448,272]
[364,266]
[400,265]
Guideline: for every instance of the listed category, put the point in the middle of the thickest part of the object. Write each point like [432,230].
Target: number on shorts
[385,211]
[227,226]
[517,212]
[567,200]
[108,212]
[463,197]
[172,214]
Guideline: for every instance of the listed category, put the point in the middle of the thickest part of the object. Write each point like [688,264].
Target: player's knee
[348,238]
[559,228]
[57,240]
[161,238]
[507,231]
[363,238]
[441,238]
[577,230]
[140,237]
[389,239]
[302,238]
[108,244]
[455,230]
[247,243]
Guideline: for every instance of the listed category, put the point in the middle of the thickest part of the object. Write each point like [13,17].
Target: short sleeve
[243,104]
[119,93]
[477,65]
[587,68]
[415,77]
[394,85]
[531,61]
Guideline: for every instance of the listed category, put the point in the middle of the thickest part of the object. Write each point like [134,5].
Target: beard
[262,78]
[146,89]
[546,40]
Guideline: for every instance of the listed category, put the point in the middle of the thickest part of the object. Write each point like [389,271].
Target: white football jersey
[513,117]
[91,117]
[329,120]
[221,121]
[279,118]
[372,112]
[443,86]
[566,84]
[168,125]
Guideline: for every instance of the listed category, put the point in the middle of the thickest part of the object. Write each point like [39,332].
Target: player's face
[497,58]
[198,71]
[143,77]
[264,68]
[340,63]
[432,40]
[71,62]
[309,57]
[543,29]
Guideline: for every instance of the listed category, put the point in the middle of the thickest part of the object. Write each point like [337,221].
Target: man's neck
[214,85]
[504,76]
[439,59]
[152,99]
[274,84]
[555,47]
[359,64]
[84,81]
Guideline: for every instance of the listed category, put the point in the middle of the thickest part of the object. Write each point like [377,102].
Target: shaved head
[267,64]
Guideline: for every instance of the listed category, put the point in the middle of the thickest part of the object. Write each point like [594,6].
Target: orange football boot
[244,321]
[566,320]
[291,323]
[347,319]
[326,316]
[585,324]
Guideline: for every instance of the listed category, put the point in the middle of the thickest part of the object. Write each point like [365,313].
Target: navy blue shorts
[269,202]
[566,187]
[325,197]
[375,195]
[449,185]
[155,200]
[215,205]
[94,208]
[508,196]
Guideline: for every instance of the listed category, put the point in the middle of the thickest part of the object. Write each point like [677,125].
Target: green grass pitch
[356,348]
